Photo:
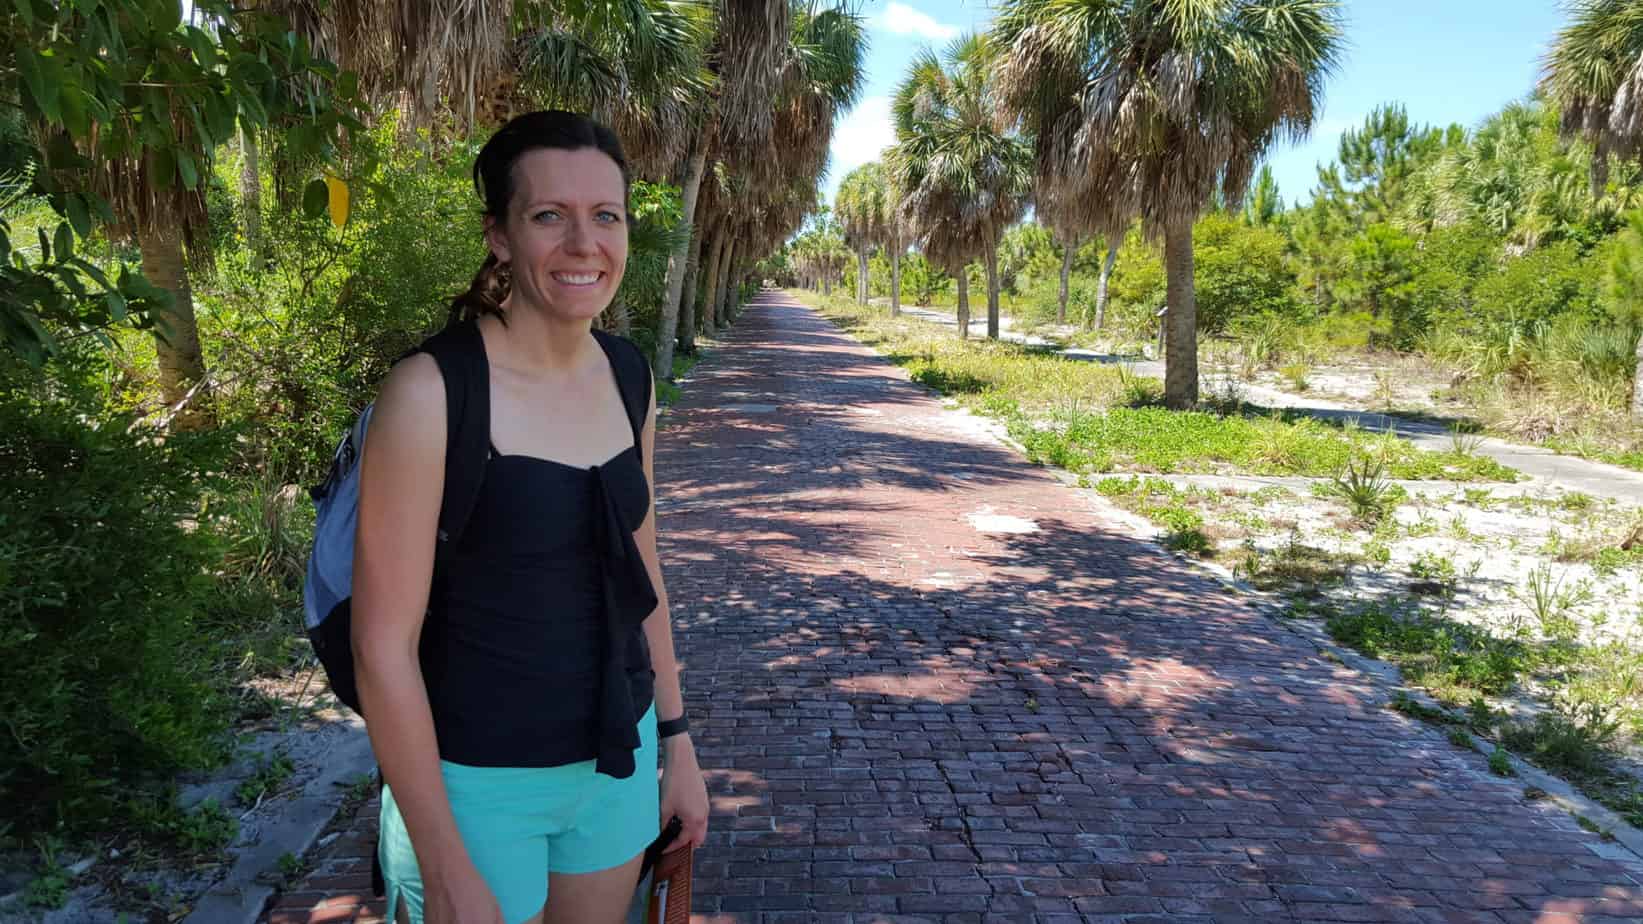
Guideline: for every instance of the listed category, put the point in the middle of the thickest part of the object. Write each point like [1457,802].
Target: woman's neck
[537,343]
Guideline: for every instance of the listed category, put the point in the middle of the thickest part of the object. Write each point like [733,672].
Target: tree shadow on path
[904,715]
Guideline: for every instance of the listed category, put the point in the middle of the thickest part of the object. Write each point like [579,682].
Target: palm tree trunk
[992,292]
[710,291]
[251,198]
[733,290]
[895,283]
[963,303]
[1637,384]
[687,303]
[861,276]
[721,280]
[177,339]
[727,285]
[1181,322]
[1067,248]
[667,325]
[1101,284]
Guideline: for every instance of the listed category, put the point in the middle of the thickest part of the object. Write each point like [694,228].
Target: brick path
[906,718]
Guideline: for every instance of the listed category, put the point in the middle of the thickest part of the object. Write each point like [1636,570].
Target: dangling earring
[504,274]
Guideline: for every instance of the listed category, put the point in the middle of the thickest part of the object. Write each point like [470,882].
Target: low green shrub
[106,678]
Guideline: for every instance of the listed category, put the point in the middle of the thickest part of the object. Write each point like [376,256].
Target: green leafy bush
[923,282]
[105,676]
[303,341]
[1239,270]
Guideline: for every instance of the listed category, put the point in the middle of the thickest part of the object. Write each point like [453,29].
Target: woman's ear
[497,238]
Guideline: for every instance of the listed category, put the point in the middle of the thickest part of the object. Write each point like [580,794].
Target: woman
[517,724]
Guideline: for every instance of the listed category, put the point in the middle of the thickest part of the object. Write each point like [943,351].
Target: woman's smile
[578,279]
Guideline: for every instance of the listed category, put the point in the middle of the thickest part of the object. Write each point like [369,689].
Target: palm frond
[1594,73]
[1149,109]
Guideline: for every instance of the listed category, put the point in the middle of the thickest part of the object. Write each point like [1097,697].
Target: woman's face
[565,235]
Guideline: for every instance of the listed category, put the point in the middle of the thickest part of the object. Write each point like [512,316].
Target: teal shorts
[521,823]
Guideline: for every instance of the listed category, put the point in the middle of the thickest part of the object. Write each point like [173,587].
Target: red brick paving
[905,719]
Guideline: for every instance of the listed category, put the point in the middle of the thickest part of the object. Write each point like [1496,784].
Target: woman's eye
[610,217]
[545,215]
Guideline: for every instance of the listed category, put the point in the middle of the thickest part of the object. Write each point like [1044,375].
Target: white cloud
[902,19]
[861,136]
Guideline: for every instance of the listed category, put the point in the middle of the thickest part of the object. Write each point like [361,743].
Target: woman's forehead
[586,175]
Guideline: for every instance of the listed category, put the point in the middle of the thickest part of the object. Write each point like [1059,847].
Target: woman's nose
[578,236]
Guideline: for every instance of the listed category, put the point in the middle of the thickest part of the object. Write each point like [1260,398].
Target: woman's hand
[459,897]
[684,793]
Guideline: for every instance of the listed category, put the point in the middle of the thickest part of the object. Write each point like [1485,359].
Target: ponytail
[485,294]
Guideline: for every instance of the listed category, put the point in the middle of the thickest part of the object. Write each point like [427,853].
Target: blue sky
[1445,60]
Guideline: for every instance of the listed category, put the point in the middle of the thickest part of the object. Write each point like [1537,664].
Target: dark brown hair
[555,129]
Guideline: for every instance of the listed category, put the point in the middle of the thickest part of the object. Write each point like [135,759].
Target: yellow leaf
[338,200]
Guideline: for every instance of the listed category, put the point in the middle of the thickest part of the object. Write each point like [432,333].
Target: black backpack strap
[632,379]
[460,352]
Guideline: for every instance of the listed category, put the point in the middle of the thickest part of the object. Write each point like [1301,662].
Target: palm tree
[639,66]
[1594,74]
[425,58]
[140,158]
[820,254]
[745,59]
[863,211]
[759,195]
[964,172]
[1148,108]
[251,197]
[1071,228]
[1516,176]
[894,243]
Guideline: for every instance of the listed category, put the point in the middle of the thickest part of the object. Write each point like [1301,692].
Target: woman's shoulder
[415,378]
[411,404]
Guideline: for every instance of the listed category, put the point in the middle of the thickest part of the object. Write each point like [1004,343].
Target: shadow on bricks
[927,683]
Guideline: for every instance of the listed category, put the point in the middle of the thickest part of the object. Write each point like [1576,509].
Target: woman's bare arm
[401,486]
[684,793]
[658,626]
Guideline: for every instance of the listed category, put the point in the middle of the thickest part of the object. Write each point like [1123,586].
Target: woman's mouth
[578,279]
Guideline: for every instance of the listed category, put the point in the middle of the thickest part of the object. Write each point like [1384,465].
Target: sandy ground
[328,751]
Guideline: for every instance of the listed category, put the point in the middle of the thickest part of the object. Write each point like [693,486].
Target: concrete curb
[240,896]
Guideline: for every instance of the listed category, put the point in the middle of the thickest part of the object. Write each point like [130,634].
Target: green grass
[1454,660]
[1407,705]
[270,775]
[1632,459]
[49,888]
[200,831]
[1365,489]
[1180,511]
[1300,571]
[1150,439]
[667,392]
[1089,417]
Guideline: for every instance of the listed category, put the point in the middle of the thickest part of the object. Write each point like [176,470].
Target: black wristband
[672,727]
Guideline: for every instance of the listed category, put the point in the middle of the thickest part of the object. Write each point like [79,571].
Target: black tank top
[537,656]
